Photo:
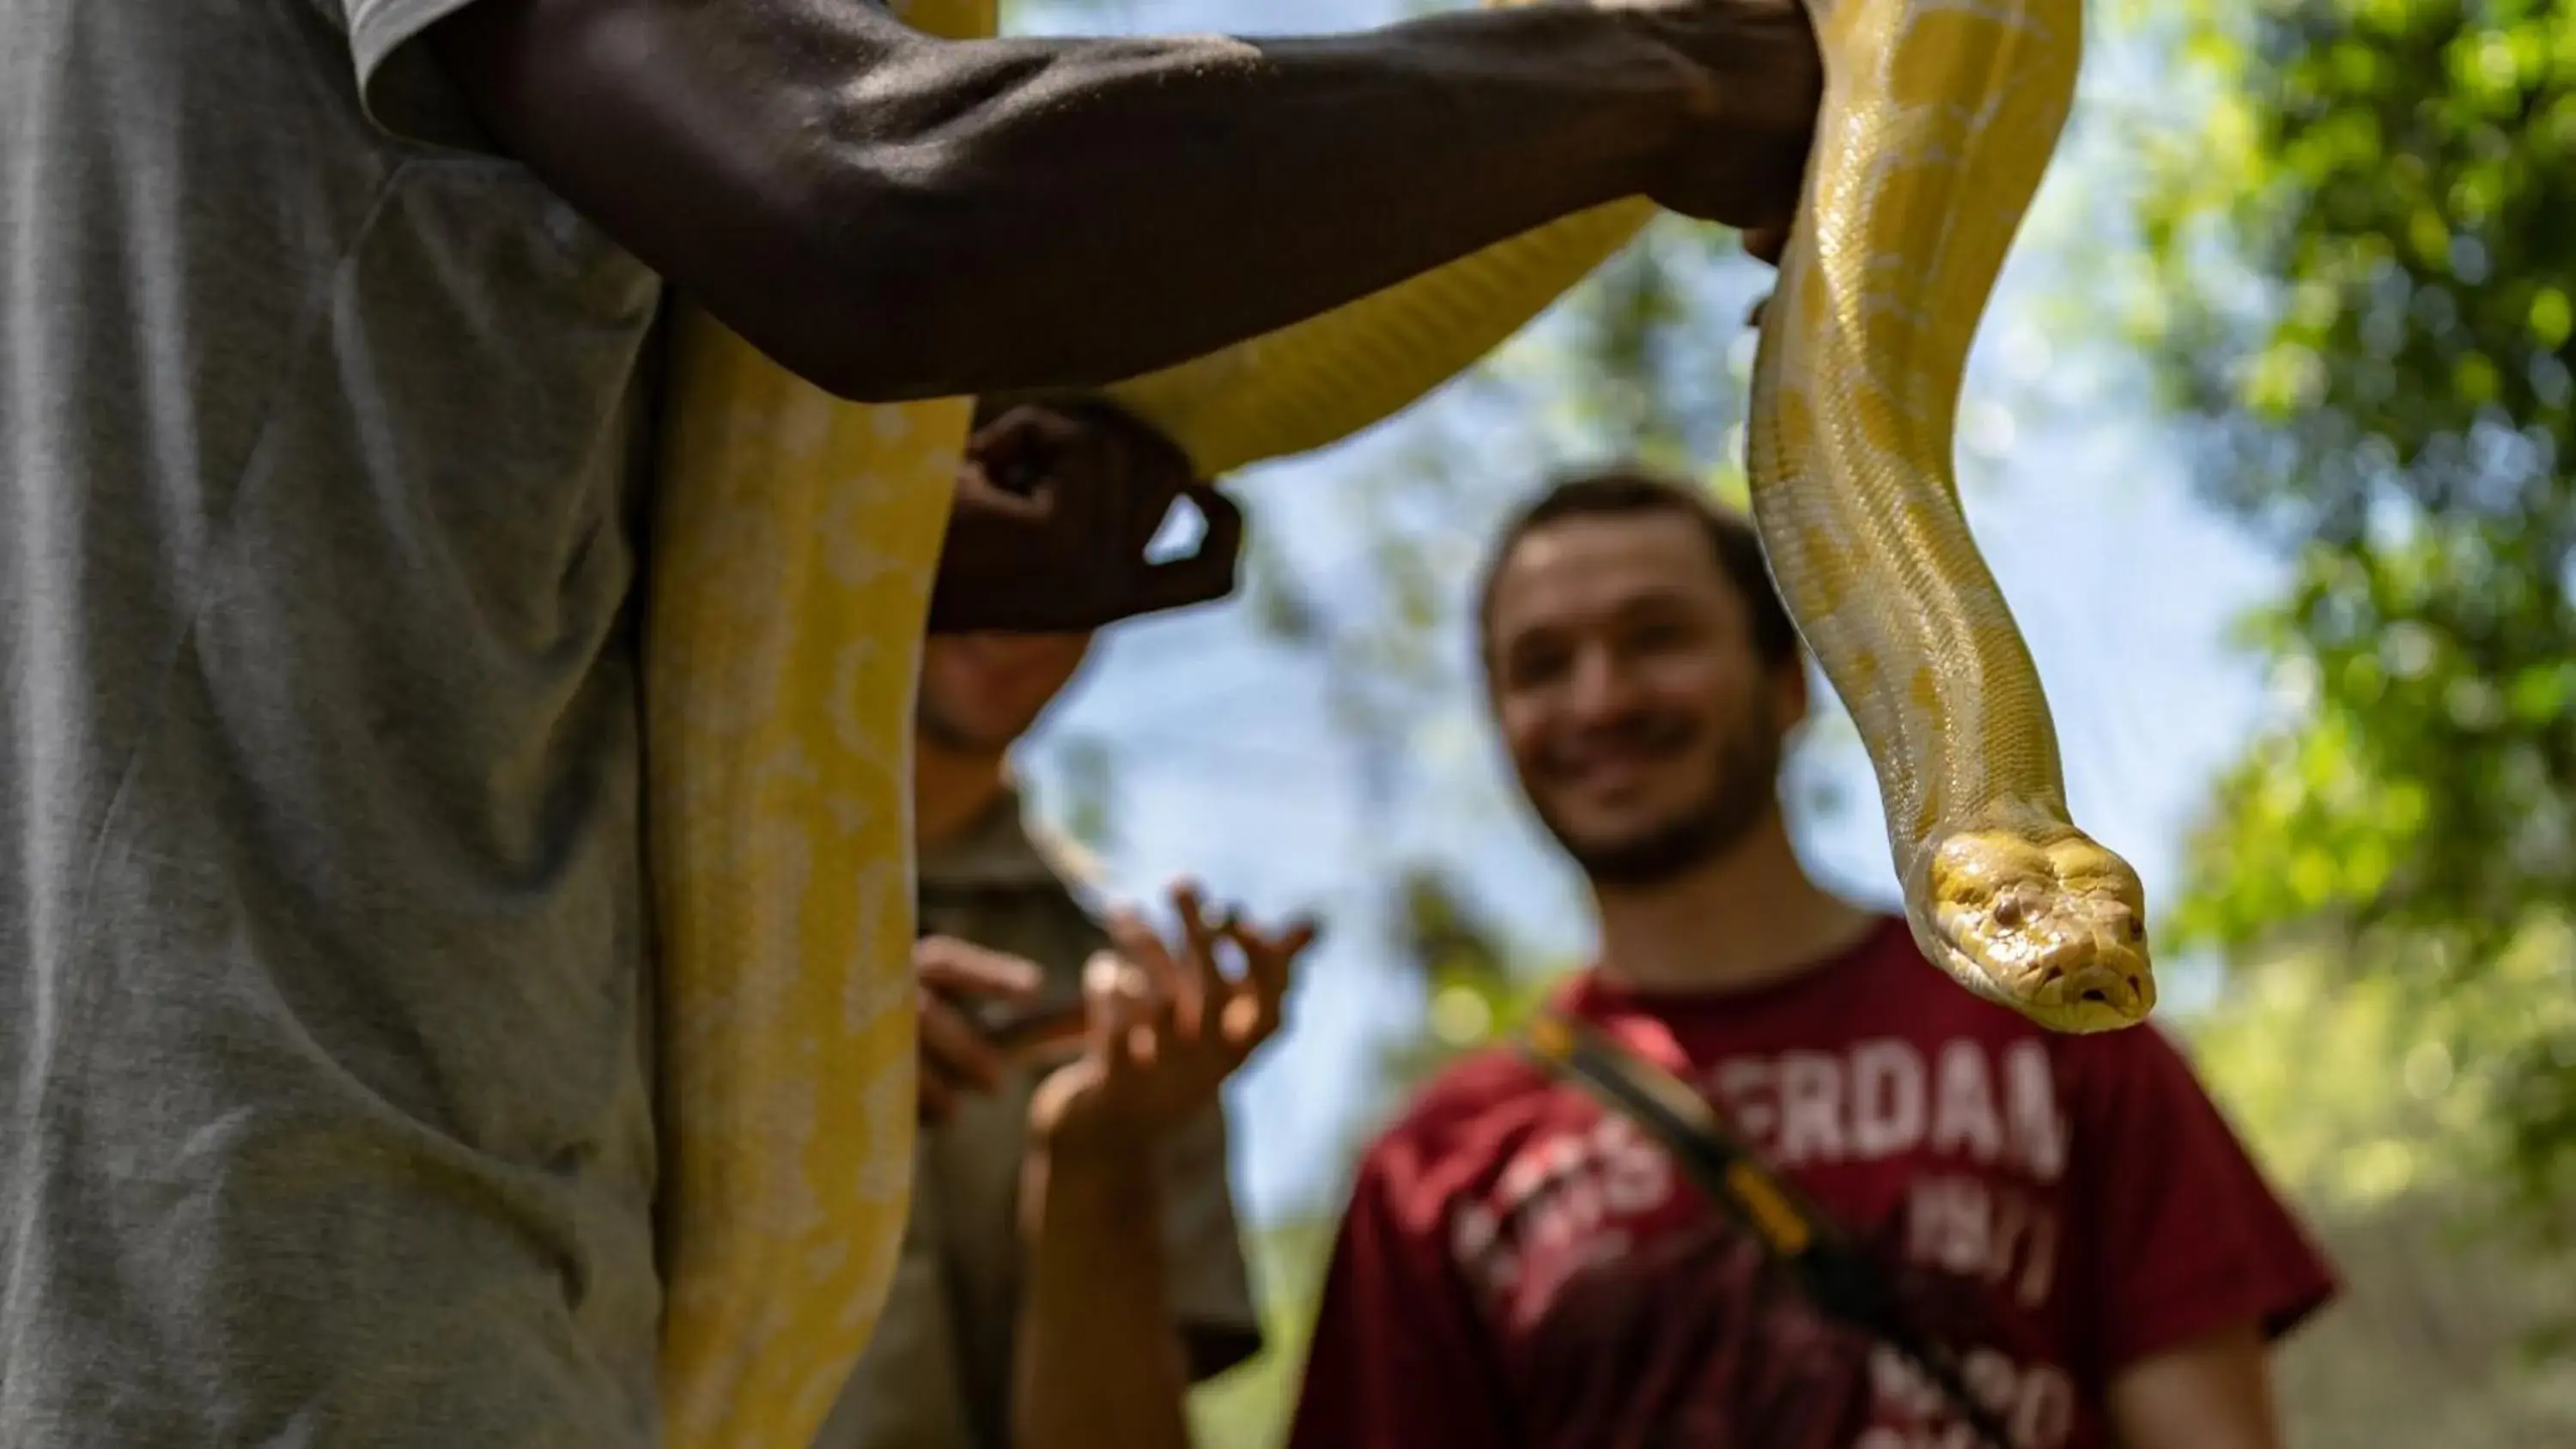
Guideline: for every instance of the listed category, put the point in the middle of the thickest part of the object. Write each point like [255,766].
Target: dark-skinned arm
[896,217]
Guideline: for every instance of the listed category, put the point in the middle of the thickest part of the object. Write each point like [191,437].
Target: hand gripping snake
[796,537]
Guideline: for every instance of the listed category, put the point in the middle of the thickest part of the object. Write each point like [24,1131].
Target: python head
[2047,922]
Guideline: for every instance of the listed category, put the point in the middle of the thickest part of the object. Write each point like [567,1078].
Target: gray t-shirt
[323,1107]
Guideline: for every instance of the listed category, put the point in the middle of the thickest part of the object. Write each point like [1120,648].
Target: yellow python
[797,536]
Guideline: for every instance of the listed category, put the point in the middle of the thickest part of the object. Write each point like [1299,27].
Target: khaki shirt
[939,1373]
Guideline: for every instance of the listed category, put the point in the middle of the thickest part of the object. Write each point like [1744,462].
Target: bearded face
[1646,729]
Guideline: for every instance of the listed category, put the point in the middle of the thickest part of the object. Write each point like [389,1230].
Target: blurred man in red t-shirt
[1518,1267]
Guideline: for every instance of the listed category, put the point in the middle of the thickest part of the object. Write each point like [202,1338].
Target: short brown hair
[1626,490]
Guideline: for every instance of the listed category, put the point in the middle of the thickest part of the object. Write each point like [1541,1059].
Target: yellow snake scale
[796,539]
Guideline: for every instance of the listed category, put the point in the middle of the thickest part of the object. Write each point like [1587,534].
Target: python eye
[2010,913]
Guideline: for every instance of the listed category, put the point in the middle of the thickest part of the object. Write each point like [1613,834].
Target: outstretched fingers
[1201,986]
[1254,1013]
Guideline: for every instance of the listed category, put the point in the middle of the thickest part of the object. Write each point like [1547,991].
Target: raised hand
[1055,507]
[1743,159]
[1166,1029]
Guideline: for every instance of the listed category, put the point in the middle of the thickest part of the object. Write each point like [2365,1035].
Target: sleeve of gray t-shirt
[400,84]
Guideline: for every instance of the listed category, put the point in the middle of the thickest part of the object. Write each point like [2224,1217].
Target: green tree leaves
[2363,301]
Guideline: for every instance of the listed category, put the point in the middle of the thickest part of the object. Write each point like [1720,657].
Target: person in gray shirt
[326,363]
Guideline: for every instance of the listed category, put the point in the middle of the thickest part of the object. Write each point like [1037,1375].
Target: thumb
[1209,574]
[1105,1001]
[978,494]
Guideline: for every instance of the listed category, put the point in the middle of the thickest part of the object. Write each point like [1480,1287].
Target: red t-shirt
[1519,1267]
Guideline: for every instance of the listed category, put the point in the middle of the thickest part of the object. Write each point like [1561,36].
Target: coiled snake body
[797,537]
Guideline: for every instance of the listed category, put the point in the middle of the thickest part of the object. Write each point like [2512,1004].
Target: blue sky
[1227,765]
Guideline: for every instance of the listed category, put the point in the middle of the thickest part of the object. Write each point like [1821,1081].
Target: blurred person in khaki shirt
[1072,1263]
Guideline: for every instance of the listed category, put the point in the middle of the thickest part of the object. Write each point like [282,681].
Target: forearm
[1194,192]
[1099,1363]
[2212,1393]
[895,216]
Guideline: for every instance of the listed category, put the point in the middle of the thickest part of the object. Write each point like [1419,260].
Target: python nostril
[2126,994]
[2078,982]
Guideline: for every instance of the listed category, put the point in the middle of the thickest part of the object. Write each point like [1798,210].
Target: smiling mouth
[1616,766]
[1628,757]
